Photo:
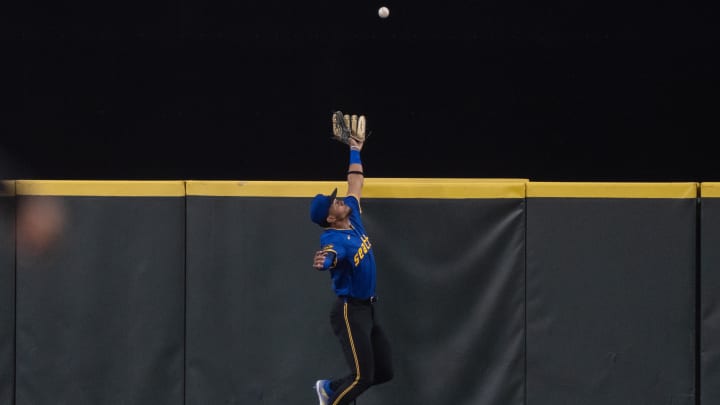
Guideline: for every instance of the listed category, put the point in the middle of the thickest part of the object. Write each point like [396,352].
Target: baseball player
[347,254]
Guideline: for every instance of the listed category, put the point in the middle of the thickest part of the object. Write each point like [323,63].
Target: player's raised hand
[349,129]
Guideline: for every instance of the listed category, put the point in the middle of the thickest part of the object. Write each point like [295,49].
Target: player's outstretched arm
[355,174]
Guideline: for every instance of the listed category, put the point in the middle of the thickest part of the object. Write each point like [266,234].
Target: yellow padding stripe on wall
[441,180]
[444,190]
[612,190]
[710,190]
[117,188]
[374,188]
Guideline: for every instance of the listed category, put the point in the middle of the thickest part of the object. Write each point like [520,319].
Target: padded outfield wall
[203,292]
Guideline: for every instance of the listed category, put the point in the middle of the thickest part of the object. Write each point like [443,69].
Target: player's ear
[330,219]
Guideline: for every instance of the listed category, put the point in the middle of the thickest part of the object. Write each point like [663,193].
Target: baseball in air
[384,12]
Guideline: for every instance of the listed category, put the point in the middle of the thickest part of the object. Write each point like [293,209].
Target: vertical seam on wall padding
[185,296]
[525,298]
[15,287]
[357,364]
[698,298]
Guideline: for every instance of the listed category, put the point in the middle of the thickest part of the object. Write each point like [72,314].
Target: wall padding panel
[710,294]
[450,281]
[7,291]
[611,293]
[100,316]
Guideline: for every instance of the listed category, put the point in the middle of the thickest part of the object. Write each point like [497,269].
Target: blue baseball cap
[320,206]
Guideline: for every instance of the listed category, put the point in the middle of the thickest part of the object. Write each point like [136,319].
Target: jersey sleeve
[328,243]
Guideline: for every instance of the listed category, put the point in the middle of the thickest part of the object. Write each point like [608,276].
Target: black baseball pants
[365,346]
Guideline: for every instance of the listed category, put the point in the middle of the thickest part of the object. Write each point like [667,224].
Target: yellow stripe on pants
[357,363]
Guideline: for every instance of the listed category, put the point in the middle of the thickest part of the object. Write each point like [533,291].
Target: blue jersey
[353,270]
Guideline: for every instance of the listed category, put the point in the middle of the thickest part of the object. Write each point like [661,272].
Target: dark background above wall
[244,90]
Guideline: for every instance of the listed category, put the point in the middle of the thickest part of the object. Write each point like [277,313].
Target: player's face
[339,210]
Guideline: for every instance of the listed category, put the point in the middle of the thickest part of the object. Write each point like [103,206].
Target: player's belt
[353,300]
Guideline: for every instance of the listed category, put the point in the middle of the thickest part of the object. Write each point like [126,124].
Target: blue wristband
[355,156]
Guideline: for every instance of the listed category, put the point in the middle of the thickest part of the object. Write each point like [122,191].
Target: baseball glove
[348,126]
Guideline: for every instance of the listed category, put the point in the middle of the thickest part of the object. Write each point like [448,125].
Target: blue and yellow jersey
[353,268]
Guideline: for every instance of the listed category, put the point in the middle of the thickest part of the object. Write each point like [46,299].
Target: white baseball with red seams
[384,12]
